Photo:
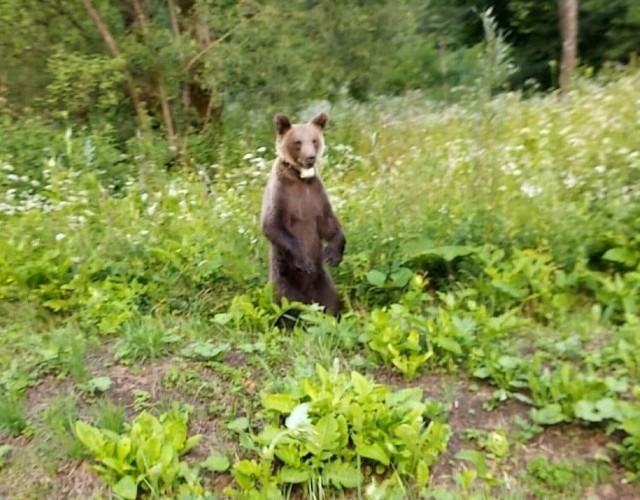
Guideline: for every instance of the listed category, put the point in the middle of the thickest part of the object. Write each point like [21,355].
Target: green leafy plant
[398,338]
[338,429]
[629,449]
[147,458]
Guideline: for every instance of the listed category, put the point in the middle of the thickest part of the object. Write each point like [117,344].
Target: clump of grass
[13,414]
[143,339]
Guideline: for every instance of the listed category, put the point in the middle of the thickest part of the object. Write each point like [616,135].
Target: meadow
[490,345]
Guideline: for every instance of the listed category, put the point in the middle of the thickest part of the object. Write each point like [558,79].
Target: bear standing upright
[297,217]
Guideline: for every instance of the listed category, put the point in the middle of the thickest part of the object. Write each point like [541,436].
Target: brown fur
[297,218]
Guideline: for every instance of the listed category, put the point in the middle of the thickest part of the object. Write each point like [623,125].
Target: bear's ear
[282,123]
[320,120]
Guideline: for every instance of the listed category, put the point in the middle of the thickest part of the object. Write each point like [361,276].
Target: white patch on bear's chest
[307,173]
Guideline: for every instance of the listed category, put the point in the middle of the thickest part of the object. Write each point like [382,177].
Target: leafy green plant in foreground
[146,458]
[339,428]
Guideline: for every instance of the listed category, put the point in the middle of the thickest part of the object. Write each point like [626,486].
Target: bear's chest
[304,203]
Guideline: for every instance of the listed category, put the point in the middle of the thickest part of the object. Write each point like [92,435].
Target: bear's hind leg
[325,294]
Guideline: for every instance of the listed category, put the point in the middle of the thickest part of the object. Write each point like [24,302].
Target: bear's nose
[309,160]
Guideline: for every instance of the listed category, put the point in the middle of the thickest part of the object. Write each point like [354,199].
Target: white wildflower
[60,236]
[530,190]
[570,181]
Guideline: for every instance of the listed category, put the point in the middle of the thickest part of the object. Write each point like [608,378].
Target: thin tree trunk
[115,51]
[568,10]
[167,115]
[175,28]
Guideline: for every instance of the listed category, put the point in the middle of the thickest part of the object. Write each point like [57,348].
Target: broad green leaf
[205,350]
[190,443]
[222,318]
[167,454]
[99,384]
[118,466]
[376,278]
[123,448]
[289,454]
[509,362]
[357,416]
[616,384]
[149,451]
[548,415]
[176,432]
[401,277]
[91,437]
[360,383]
[341,474]
[448,253]
[586,410]
[327,436]
[608,408]
[126,488]
[216,463]
[448,344]
[293,476]
[282,403]
[373,451]
[247,467]
[622,255]
[482,372]
[239,424]
[422,474]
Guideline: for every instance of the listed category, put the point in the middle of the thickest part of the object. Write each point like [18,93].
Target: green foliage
[447,275]
[399,338]
[339,428]
[629,449]
[144,339]
[147,458]
[563,477]
[13,414]
[85,85]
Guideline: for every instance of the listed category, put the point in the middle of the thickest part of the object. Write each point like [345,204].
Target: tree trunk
[175,28]
[165,104]
[115,51]
[568,10]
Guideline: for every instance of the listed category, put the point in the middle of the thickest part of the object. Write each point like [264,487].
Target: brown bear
[297,217]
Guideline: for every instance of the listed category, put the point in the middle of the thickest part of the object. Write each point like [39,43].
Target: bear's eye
[315,142]
[298,144]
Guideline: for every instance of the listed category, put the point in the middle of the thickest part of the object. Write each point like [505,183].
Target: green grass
[492,262]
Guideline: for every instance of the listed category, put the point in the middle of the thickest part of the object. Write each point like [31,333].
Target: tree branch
[115,51]
[167,115]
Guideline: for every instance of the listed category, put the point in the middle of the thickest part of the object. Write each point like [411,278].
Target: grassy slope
[552,175]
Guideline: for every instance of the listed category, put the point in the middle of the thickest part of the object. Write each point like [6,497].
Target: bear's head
[300,144]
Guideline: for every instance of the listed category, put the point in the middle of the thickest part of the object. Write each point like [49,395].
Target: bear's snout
[309,160]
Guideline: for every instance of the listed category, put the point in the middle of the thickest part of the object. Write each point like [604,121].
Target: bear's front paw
[332,256]
[304,263]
